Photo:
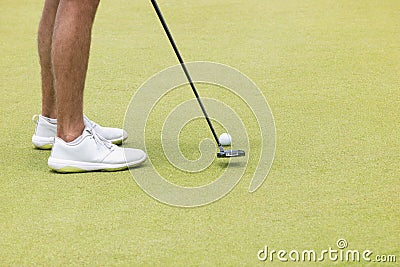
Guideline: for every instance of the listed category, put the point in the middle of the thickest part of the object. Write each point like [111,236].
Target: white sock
[52,121]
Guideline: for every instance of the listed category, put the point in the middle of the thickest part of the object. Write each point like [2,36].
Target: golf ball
[225,139]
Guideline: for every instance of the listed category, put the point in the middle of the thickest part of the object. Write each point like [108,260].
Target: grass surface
[330,71]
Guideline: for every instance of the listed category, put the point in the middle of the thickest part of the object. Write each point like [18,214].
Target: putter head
[230,154]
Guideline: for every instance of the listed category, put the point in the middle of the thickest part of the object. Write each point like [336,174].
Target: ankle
[70,135]
[50,115]
[69,138]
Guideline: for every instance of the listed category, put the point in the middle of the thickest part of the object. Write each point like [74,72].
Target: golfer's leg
[70,55]
[45,33]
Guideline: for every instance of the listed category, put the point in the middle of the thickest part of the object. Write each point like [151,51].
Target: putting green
[330,72]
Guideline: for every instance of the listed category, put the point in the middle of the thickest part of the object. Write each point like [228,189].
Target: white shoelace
[99,139]
[91,123]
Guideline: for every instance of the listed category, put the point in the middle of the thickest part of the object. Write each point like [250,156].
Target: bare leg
[45,33]
[70,56]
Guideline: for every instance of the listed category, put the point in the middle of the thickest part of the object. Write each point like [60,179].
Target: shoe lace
[90,122]
[99,139]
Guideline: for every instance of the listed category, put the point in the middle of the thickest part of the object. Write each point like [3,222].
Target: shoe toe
[124,134]
[115,135]
[134,156]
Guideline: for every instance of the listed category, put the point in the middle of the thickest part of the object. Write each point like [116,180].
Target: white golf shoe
[92,152]
[46,130]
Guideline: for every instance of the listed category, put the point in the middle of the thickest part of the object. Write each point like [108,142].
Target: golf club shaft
[171,40]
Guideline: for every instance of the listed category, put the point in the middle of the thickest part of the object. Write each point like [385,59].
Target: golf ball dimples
[225,139]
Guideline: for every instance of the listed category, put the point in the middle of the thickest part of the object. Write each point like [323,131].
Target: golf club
[222,153]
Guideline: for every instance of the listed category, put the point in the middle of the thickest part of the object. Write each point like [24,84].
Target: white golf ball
[225,139]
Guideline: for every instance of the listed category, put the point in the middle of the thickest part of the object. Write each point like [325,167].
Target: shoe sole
[70,166]
[44,143]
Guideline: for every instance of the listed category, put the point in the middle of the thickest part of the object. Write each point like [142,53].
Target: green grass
[330,72]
